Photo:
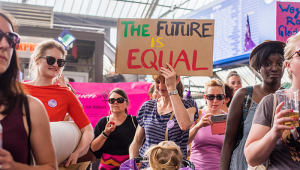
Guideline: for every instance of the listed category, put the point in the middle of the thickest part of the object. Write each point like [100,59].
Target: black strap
[27,113]
[247,101]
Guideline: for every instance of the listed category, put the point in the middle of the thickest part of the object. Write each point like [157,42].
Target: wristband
[106,136]
[173,92]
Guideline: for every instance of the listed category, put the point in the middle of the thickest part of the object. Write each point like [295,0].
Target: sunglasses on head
[119,100]
[13,39]
[212,97]
[51,60]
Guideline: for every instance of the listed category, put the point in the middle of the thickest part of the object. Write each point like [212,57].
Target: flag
[249,44]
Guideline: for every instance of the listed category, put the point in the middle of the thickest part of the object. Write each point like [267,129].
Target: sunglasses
[297,52]
[119,100]
[212,97]
[13,39]
[51,60]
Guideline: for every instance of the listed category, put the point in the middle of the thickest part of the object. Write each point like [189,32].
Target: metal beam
[151,9]
[173,9]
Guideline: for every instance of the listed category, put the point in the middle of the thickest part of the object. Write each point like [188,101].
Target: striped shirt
[155,126]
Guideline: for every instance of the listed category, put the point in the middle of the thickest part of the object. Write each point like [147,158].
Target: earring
[109,112]
[126,111]
[205,102]
[223,103]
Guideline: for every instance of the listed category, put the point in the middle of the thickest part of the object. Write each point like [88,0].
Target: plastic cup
[290,99]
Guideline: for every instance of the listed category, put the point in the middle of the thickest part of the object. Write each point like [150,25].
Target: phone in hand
[219,124]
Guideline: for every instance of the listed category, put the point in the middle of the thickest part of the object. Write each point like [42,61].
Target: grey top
[238,159]
[282,157]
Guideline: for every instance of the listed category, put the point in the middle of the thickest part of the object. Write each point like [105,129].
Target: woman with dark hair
[234,80]
[227,100]
[267,60]
[114,133]
[45,67]
[23,118]
[279,143]
[166,118]
[153,93]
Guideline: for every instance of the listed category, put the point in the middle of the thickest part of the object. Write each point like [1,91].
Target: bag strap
[247,101]
[274,112]
[166,134]
[27,113]
[133,121]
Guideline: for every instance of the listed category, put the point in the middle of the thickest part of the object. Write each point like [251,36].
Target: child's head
[165,156]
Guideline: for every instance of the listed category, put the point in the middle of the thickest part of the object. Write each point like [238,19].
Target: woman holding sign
[166,118]
[267,60]
[272,139]
[46,65]
[24,122]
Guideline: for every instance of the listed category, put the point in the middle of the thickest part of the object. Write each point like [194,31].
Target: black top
[119,140]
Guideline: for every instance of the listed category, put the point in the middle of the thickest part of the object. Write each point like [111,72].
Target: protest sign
[145,45]
[287,20]
[94,97]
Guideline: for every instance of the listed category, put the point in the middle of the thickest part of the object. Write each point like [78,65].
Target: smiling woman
[46,65]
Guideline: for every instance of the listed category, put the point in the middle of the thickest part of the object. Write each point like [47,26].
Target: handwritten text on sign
[287,20]
[145,45]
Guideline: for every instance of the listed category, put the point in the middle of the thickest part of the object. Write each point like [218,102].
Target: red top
[59,101]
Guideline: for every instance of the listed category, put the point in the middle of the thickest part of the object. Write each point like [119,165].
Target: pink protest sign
[287,20]
[94,97]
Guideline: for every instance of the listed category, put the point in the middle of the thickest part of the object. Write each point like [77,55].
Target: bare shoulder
[28,82]
[36,107]
[240,94]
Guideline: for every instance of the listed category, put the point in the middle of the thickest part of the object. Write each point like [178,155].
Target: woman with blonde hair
[277,142]
[206,147]
[46,65]
[23,118]
[165,156]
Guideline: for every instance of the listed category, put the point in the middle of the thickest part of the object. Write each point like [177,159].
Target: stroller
[131,164]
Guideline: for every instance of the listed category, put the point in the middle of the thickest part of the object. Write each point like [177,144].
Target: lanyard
[166,134]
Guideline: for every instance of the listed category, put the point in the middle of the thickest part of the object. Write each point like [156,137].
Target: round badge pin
[170,124]
[52,103]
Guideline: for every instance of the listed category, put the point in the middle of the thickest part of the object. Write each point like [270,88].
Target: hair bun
[232,72]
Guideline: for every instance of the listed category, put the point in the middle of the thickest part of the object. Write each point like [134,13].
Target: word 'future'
[189,30]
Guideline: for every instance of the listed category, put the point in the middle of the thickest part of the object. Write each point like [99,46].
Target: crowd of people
[168,128]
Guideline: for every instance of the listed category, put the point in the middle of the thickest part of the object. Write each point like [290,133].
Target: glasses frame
[215,96]
[119,100]
[59,61]
[13,42]
[296,52]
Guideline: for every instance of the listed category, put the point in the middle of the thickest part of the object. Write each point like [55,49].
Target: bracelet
[106,136]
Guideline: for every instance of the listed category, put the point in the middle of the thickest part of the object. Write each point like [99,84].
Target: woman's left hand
[6,160]
[170,77]
[72,159]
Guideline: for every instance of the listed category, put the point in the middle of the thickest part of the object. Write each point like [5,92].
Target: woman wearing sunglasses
[23,118]
[46,63]
[267,60]
[206,148]
[166,118]
[277,142]
[114,133]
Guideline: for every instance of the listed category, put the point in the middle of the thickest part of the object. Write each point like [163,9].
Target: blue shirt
[155,126]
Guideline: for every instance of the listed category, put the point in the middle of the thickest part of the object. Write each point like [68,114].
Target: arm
[261,140]
[185,117]
[40,137]
[137,142]
[234,118]
[100,140]
[204,121]
[86,139]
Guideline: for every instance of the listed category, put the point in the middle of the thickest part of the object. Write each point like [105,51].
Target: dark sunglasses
[212,97]
[13,39]
[119,100]
[51,60]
